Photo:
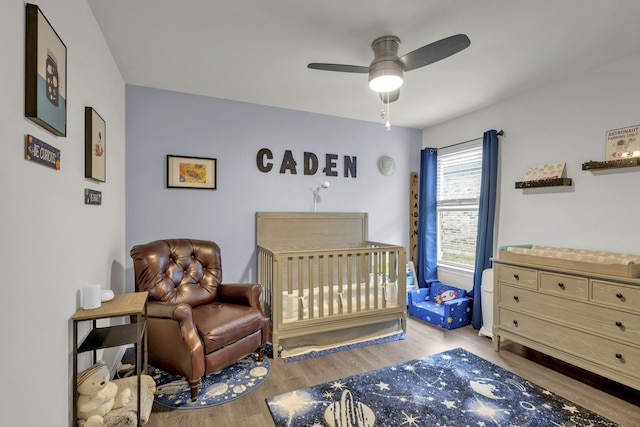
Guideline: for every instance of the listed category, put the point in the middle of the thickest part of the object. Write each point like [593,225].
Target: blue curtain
[486,215]
[426,270]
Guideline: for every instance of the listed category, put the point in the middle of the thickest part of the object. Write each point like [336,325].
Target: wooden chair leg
[261,353]
[195,385]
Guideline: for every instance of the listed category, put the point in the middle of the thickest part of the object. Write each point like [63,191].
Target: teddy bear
[97,395]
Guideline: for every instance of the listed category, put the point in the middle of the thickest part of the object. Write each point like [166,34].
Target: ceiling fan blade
[434,52]
[393,96]
[339,67]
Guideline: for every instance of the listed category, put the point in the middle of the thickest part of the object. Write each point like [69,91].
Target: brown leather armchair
[196,324]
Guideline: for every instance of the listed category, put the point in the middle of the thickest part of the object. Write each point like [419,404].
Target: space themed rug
[219,387]
[453,388]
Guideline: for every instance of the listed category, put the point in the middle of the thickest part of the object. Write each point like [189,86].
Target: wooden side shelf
[611,164]
[123,305]
[554,182]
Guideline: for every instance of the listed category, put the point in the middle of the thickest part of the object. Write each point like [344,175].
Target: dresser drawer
[616,295]
[519,299]
[595,349]
[605,321]
[517,276]
[566,286]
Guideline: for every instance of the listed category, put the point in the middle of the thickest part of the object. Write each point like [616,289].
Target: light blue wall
[162,122]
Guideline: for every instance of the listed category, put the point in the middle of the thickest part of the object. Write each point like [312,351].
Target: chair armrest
[458,301]
[163,310]
[160,312]
[240,293]
[418,295]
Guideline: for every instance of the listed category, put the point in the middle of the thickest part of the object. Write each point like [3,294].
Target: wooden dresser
[588,319]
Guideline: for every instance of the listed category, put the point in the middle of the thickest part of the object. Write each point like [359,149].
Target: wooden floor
[422,340]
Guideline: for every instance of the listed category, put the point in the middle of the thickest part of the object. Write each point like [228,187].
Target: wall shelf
[552,182]
[611,164]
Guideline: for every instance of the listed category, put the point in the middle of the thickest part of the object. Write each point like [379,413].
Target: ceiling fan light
[385,83]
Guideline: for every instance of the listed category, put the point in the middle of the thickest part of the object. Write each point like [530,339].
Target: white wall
[564,122]
[52,244]
[162,122]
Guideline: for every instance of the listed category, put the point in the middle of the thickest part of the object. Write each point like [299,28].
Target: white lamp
[316,193]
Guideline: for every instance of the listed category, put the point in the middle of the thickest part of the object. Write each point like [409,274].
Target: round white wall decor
[387,165]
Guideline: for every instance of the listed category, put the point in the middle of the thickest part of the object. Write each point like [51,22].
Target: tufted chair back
[178,270]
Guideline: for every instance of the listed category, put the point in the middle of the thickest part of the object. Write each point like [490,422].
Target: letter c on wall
[262,153]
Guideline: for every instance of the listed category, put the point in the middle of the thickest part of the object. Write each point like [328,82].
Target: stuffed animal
[97,395]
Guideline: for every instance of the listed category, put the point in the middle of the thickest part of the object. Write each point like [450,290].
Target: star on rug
[453,388]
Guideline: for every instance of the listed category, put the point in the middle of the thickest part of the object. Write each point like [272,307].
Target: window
[458,196]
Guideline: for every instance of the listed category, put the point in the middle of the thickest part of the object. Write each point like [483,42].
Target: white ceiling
[257,50]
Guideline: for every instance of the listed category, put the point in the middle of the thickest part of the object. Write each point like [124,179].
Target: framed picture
[45,94]
[95,146]
[623,143]
[542,172]
[191,172]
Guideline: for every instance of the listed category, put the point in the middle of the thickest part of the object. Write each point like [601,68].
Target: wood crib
[320,273]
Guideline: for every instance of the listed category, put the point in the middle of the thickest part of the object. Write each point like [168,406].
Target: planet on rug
[229,384]
[453,388]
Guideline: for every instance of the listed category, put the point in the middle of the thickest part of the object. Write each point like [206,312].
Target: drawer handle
[619,356]
[619,324]
[516,298]
[515,323]
[619,296]
[561,285]
[515,276]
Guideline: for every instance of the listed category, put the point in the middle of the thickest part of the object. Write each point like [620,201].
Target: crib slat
[321,285]
[274,276]
[359,282]
[340,284]
[394,271]
[364,281]
[310,288]
[331,284]
[349,283]
[289,275]
[300,289]
[378,278]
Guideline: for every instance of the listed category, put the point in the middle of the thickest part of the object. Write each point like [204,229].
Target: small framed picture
[623,143]
[45,89]
[191,172]
[95,146]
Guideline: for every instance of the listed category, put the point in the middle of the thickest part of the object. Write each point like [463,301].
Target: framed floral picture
[191,172]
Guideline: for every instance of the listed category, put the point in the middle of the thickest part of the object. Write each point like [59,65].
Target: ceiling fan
[386,69]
